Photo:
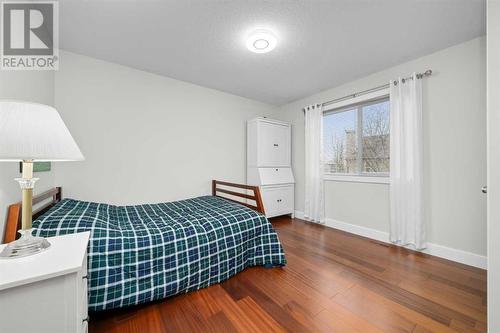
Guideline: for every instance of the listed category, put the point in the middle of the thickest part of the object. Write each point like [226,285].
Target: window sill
[357,179]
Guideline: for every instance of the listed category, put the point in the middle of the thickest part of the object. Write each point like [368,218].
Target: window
[356,139]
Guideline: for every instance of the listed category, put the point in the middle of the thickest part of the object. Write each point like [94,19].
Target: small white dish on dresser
[46,292]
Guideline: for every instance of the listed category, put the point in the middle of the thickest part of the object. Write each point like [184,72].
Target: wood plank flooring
[334,282]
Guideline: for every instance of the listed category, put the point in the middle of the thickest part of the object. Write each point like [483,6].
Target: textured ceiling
[321,43]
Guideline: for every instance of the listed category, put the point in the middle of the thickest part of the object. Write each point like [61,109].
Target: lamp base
[25,246]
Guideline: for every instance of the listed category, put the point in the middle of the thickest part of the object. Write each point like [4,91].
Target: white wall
[147,138]
[455,153]
[493,165]
[33,86]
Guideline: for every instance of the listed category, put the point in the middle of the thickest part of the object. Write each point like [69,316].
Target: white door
[493,150]
[274,145]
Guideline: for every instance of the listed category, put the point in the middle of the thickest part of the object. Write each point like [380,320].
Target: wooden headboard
[259,206]
[14,212]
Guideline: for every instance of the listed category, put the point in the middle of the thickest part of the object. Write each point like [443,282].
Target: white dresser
[46,292]
[269,164]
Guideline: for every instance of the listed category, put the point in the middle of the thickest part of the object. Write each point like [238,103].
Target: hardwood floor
[334,282]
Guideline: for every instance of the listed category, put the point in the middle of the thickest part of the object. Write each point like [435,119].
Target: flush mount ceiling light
[261,41]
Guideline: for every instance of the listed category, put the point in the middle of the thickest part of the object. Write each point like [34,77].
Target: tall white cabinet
[269,164]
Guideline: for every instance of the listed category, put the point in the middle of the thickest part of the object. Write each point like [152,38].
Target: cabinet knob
[276,145]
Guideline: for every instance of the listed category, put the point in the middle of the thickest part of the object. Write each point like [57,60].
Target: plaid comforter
[137,254]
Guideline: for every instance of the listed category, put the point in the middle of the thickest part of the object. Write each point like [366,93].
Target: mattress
[138,254]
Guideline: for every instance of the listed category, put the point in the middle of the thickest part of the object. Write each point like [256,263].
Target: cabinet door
[278,200]
[274,144]
[270,200]
[285,200]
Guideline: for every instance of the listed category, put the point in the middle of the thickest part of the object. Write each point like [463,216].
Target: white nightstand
[46,292]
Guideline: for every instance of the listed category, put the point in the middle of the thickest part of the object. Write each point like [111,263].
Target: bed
[146,252]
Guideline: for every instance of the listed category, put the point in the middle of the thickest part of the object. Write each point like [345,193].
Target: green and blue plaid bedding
[141,253]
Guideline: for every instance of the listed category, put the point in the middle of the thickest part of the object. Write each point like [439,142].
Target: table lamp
[32,132]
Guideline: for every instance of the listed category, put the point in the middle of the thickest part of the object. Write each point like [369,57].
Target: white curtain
[406,189]
[314,204]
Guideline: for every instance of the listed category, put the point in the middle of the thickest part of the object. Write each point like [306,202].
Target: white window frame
[377,178]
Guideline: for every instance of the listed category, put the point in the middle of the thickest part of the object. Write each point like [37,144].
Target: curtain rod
[384,86]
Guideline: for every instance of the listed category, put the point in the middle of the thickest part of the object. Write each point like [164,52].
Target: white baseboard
[299,214]
[441,251]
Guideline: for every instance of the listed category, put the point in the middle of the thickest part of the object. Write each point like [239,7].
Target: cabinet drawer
[84,306]
[83,291]
[269,176]
[84,265]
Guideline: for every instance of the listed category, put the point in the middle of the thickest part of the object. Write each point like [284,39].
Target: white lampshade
[30,131]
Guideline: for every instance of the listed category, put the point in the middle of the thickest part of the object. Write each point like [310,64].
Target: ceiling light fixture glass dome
[261,41]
